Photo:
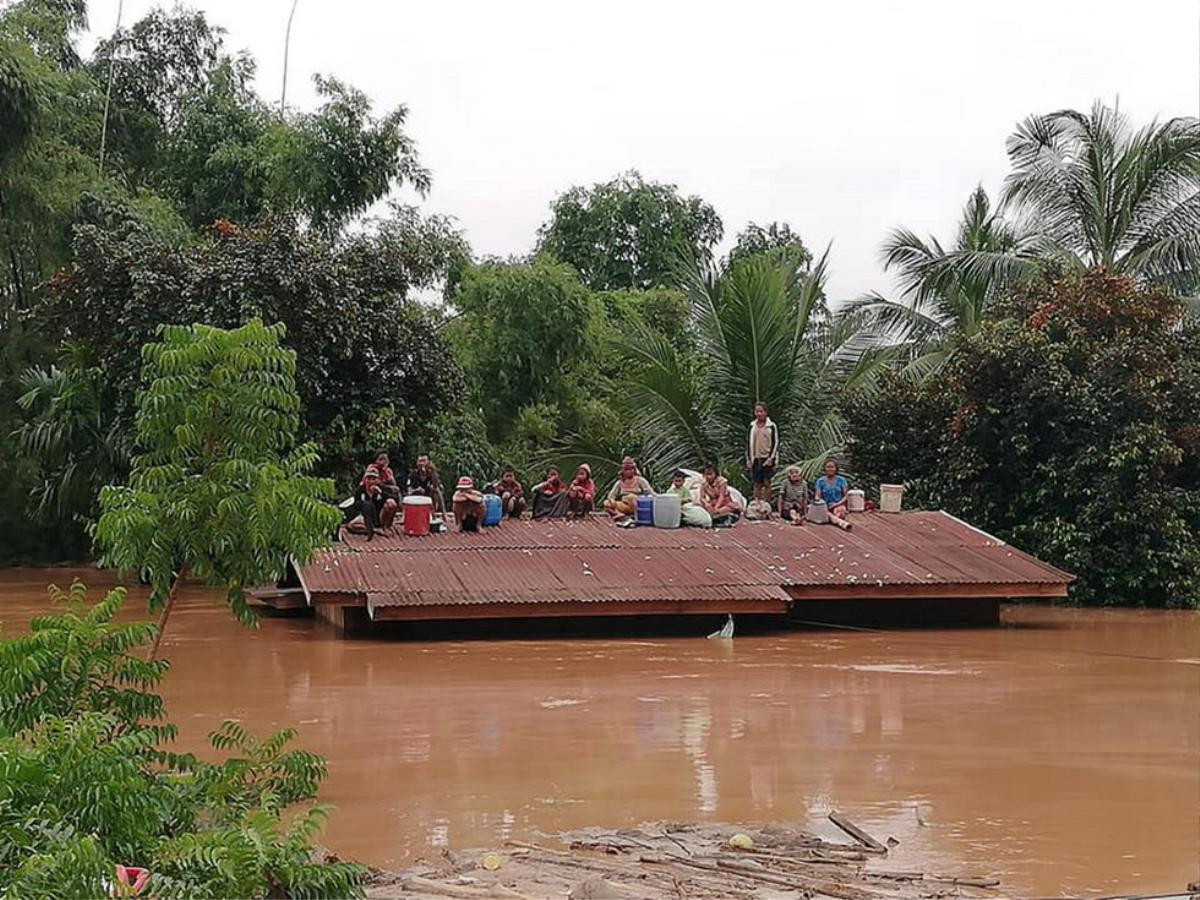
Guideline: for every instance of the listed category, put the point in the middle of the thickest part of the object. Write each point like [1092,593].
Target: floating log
[857,833]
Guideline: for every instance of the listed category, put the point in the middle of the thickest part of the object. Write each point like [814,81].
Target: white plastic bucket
[818,512]
[889,497]
[667,510]
[856,501]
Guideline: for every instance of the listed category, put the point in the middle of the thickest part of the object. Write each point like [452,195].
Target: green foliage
[760,337]
[628,233]
[85,783]
[371,365]
[943,302]
[218,487]
[776,239]
[72,434]
[1066,425]
[523,337]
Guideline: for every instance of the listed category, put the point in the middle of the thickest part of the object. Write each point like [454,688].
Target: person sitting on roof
[468,505]
[831,487]
[793,498]
[374,509]
[715,498]
[581,493]
[690,512]
[387,478]
[622,499]
[511,494]
[424,481]
[550,496]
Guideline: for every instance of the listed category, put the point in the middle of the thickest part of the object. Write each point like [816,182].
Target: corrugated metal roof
[594,561]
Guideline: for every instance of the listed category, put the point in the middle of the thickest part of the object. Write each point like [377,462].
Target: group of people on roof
[706,499]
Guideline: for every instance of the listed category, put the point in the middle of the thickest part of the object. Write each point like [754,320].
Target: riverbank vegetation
[1035,374]
[90,786]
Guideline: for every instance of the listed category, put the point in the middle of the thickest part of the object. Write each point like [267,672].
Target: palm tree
[73,434]
[943,300]
[1102,194]
[761,337]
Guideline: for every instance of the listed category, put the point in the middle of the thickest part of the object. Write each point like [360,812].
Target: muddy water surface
[1060,752]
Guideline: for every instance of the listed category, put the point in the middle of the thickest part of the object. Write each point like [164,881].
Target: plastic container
[645,510]
[668,509]
[818,512]
[889,497]
[493,510]
[856,501]
[417,513]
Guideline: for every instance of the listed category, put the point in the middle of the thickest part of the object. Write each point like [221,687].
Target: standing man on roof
[762,452]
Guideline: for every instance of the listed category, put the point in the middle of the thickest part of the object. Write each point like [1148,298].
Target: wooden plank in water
[857,833]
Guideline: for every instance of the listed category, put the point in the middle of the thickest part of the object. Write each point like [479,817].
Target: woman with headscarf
[622,499]
[550,496]
[581,494]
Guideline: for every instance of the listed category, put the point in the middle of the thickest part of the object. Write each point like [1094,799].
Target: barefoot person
[793,498]
[715,498]
[424,481]
[762,451]
[622,499]
[831,487]
[581,494]
[375,509]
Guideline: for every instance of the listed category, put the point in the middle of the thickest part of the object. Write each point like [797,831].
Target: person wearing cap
[622,498]
[377,510]
[468,505]
[690,512]
[511,494]
[581,494]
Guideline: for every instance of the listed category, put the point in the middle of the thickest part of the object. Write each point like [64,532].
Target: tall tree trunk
[166,612]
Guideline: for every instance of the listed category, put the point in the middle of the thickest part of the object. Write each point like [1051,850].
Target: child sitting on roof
[690,512]
[581,493]
[511,494]
[715,498]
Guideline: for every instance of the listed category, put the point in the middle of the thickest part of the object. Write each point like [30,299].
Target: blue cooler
[645,509]
[493,509]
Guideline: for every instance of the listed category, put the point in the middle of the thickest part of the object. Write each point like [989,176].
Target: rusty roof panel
[593,560]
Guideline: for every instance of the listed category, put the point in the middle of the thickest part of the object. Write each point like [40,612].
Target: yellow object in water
[742,841]
[491,861]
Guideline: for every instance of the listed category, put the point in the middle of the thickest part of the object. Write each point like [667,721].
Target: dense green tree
[774,238]
[219,489]
[628,232]
[372,366]
[523,337]
[1067,425]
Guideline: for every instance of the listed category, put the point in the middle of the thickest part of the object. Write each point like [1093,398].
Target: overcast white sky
[843,119]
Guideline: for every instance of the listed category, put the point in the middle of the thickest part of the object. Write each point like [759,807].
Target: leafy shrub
[85,783]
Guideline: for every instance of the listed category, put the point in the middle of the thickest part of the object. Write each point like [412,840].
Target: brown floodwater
[1060,752]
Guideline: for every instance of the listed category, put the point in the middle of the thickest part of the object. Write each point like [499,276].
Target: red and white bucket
[417,513]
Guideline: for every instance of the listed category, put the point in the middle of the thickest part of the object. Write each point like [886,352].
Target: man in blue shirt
[831,487]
